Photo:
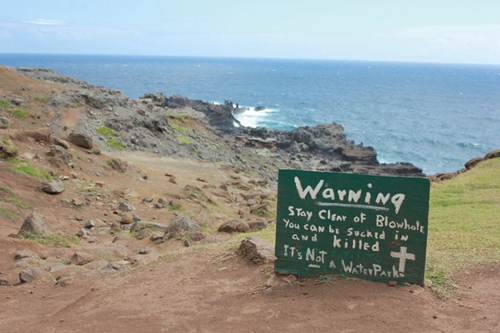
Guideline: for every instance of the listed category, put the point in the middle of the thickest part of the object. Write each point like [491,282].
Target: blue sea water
[436,116]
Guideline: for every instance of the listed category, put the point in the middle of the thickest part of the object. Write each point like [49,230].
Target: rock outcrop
[155,123]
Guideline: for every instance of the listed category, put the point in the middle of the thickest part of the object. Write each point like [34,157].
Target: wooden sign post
[370,227]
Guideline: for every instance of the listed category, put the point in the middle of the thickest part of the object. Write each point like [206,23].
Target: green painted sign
[370,227]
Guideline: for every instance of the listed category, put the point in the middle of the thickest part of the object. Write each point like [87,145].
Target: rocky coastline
[93,183]
[155,122]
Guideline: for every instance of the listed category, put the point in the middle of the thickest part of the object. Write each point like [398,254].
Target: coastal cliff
[180,127]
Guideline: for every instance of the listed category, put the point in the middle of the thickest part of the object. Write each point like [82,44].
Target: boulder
[118,165]
[60,142]
[234,226]
[81,140]
[81,258]
[26,254]
[127,219]
[29,274]
[59,156]
[89,224]
[257,250]
[473,162]
[34,224]
[140,225]
[125,207]
[181,223]
[53,187]
[4,123]
[197,236]
[258,224]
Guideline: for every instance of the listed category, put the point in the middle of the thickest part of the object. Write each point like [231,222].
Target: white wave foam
[252,117]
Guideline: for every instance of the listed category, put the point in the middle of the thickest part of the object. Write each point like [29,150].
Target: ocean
[436,116]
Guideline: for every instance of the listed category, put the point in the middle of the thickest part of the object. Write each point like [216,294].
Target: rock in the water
[34,224]
[81,140]
[257,250]
[53,187]
[234,226]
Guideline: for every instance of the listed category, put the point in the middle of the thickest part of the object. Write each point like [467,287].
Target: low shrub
[19,113]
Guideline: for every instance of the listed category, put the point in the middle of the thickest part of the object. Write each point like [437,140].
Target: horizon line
[254,58]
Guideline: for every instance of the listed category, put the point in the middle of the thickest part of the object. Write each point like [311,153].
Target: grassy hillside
[464,223]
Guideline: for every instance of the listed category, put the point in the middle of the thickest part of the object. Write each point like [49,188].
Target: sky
[443,31]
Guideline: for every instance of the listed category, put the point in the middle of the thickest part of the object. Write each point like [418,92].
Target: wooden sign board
[370,227]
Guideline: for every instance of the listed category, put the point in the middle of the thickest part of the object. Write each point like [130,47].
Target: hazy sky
[464,31]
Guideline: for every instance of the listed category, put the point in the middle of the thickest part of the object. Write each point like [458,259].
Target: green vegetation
[270,203]
[62,240]
[42,97]
[8,150]
[176,207]
[180,117]
[4,104]
[464,224]
[106,131]
[112,141]
[195,192]
[115,144]
[6,213]
[21,166]
[184,140]
[19,113]
[84,187]
[263,212]
[13,199]
[178,128]
[326,279]
[141,227]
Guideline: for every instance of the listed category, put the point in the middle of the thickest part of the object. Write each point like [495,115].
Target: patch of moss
[176,207]
[10,152]
[178,128]
[42,97]
[6,213]
[106,131]
[62,240]
[19,113]
[4,104]
[28,169]
[262,212]
[184,140]
[115,144]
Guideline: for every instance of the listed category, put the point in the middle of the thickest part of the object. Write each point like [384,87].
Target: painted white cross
[403,256]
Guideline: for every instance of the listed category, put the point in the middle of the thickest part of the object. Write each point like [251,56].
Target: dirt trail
[205,290]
